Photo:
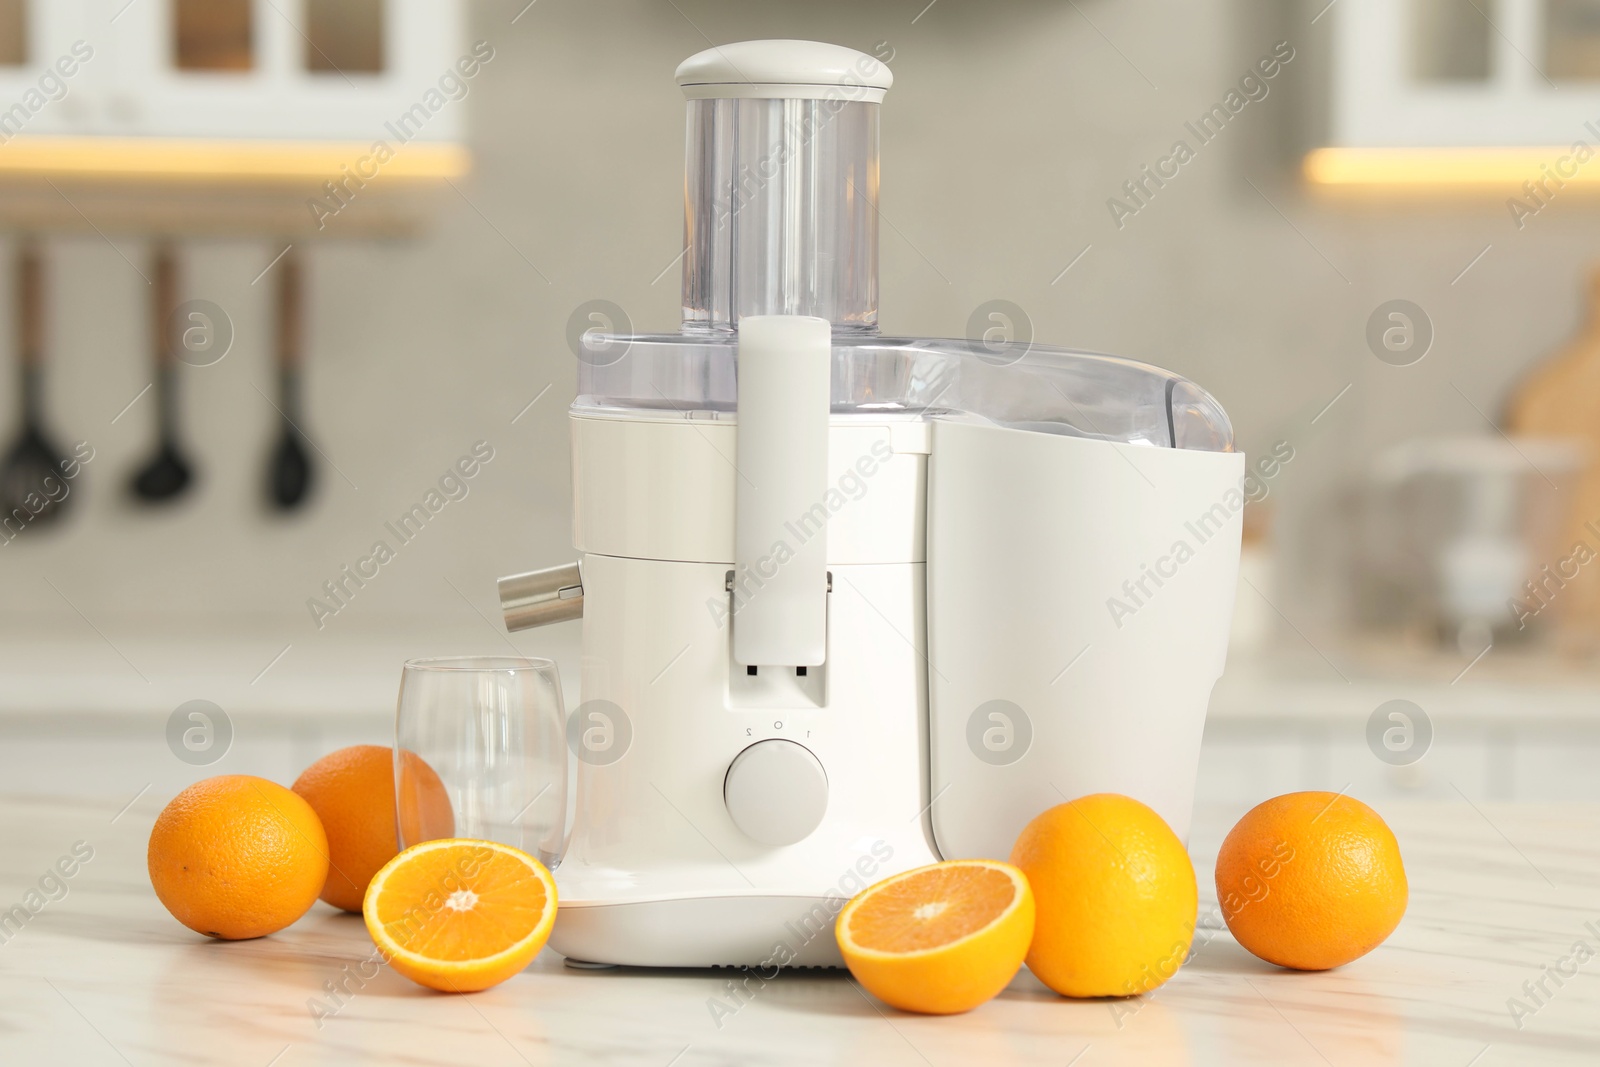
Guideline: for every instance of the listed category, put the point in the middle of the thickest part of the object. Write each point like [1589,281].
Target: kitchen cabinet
[159,97]
[1459,92]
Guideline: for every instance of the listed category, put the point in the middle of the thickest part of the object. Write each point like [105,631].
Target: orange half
[460,915]
[939,939]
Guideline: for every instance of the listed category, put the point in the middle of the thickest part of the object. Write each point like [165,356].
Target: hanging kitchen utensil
[168,474]
[31,478]
[289,470]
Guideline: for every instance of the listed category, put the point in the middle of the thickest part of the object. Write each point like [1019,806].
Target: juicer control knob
[776,791]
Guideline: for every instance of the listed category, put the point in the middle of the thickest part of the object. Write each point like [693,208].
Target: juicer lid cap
[783,70]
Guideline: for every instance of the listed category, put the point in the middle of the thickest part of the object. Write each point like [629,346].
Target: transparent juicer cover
[781,218]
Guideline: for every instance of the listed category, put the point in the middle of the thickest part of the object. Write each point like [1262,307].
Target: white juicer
[852,604]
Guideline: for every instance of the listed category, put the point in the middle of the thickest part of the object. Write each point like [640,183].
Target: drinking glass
[480,752]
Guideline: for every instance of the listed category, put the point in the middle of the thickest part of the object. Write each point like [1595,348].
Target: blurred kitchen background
[1379,256]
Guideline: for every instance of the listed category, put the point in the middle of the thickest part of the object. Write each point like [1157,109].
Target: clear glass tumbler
[480,751]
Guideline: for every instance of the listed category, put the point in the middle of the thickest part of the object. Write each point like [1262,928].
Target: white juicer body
[853,604]
[657,872]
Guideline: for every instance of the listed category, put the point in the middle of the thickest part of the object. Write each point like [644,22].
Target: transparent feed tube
[780,218]
[781,212]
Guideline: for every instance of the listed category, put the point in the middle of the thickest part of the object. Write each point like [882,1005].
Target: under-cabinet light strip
[196,159]
[1463,167]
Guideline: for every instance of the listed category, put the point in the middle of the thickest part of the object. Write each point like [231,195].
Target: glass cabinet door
[213,35]
[345,36]
[13,33]
[1449,41]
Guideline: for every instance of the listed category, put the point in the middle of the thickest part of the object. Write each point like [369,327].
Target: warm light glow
[1466,168]
[185,159]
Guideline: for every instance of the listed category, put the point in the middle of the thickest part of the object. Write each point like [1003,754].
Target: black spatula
[168,474]
[32,488]
[290,475]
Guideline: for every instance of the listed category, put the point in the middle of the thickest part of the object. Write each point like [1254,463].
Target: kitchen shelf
[1470,169]
[255,162]
[197,210]
[218,187]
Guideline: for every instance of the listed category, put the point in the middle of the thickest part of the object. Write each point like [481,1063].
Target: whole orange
[237,856]
[1114,893]
[352,791]
[1311,880]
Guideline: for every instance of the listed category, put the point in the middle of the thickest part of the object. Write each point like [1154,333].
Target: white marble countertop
[1498,894]
[272,673]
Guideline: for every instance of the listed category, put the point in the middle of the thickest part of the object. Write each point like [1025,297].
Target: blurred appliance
[1561,399]
[859,602]
[1456,528]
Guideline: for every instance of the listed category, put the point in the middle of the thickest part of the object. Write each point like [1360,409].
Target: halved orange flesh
[939,939]
[460,915]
